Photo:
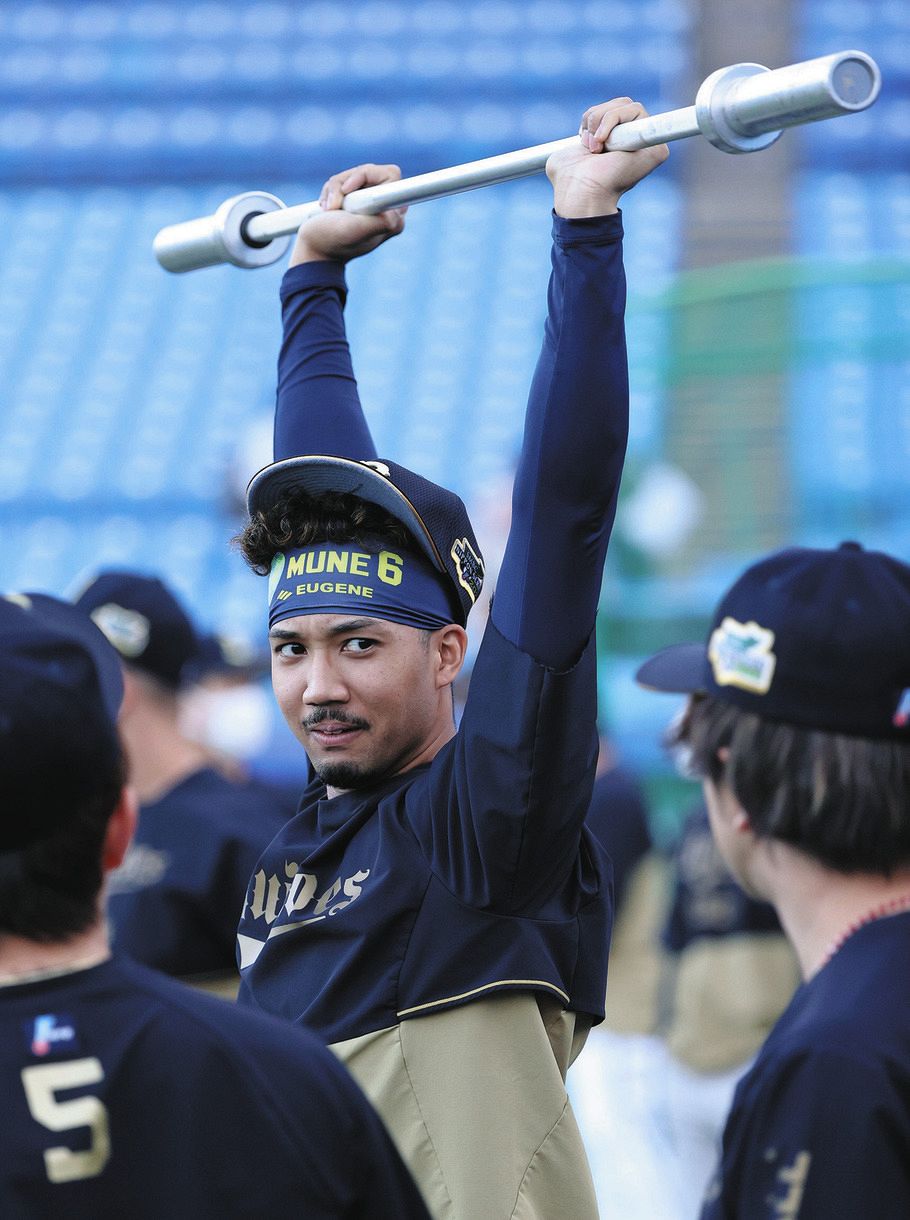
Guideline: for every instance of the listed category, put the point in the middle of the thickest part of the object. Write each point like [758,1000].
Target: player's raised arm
[568,475]
[318,408]
[518,851]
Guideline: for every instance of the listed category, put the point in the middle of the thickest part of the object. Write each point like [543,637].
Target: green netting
[741,319]
[771,375]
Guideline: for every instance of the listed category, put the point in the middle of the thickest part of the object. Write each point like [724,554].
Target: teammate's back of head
[61,764]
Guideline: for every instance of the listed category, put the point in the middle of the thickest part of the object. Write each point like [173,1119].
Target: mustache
[338,715]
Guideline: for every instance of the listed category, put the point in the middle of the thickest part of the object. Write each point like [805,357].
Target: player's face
[363,696]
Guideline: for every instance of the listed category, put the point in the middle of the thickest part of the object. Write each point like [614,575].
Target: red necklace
[892,906]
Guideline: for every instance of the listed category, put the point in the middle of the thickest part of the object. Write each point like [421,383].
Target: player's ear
[450,646]
[120,829]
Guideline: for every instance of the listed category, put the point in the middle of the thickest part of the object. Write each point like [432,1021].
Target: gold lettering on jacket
[298,891]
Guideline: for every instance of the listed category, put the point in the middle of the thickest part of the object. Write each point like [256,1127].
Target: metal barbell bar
[740,109]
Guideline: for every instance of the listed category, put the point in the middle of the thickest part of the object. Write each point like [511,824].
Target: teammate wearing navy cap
[126,1093]
[437,910]
[798,725]
[174,902]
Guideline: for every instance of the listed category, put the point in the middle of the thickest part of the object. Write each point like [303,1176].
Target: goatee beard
[347,776]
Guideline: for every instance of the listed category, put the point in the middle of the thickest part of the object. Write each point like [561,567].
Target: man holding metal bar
[437,911]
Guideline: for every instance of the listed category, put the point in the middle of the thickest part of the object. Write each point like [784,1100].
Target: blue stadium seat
[132,395]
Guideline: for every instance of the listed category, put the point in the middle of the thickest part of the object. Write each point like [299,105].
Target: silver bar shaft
[740,109]
[641,133]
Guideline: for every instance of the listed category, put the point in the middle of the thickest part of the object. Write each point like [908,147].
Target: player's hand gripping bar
[740,109]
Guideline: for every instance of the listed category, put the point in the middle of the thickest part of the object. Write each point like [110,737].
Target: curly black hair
[298,519]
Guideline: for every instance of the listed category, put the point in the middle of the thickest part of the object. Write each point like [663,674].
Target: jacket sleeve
[576,428]
[511,791]
[318,408]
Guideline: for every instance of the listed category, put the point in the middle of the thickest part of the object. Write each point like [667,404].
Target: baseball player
[126,1093]
[798,725]
[173,904]
[436,911]
[729,974]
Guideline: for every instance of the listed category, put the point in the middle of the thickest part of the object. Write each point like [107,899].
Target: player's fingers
[393,220]
[599,121]
[591,118]
[369,175]
[332,193]
[355,179]
[621,114]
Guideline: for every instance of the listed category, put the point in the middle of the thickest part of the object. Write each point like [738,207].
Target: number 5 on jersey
[41,1083]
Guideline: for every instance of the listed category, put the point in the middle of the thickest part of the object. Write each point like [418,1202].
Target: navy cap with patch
[143,620]
[815,638]
[436,517]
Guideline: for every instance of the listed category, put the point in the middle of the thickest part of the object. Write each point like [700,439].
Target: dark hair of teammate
[49,888]
[844,800]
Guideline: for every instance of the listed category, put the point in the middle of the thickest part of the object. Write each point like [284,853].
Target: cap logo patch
[380,468]
[901,717]
[740,655]
[127,630]
[468,566]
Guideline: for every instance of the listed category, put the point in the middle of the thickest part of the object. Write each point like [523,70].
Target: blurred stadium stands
[127,392]
[187,91]
[128,395]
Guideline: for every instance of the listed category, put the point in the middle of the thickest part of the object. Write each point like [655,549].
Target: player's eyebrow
[347,627]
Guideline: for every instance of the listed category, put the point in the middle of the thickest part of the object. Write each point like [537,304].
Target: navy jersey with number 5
[127,1094]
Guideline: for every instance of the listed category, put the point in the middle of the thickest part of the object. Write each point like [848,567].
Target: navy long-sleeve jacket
[474,873]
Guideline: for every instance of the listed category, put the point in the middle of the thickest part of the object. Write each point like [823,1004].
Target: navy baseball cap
[819,639]
[61,685]
[143,620]
[221,654]
[436,518]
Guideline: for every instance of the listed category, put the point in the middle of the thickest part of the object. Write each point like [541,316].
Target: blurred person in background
[176,898]
[728,973]
[699,973]
[224,705]
[126,1093]
[613,1084]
